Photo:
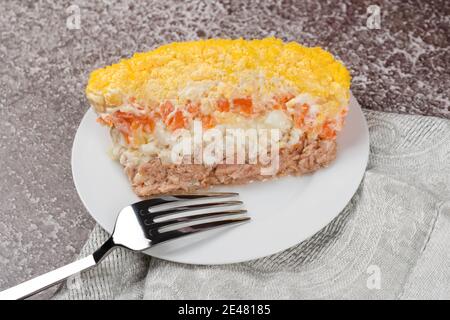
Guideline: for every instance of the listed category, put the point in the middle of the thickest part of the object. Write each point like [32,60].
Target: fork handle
[51,278]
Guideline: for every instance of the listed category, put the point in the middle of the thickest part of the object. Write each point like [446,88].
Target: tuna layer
[155,177]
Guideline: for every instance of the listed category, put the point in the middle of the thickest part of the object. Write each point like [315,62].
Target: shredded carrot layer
[243,105]
[128,124]
[328,132]
[223,105]
[132,126]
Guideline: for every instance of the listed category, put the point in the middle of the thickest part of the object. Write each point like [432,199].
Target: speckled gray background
[401,67]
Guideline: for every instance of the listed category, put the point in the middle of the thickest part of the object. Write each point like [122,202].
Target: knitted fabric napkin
[391,241]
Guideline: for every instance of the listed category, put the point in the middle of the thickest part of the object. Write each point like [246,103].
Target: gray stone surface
[401,67]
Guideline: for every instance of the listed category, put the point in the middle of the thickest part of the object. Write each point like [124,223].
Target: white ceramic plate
[284,212]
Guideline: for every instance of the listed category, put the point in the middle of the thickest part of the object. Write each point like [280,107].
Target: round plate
[284,211]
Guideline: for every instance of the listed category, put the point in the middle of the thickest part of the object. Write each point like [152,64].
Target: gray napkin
[392,241]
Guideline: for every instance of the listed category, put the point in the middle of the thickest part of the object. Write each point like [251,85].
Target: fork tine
[165,203]
[193,209]
[205,195]
[195,218]
[168,201]
[158,237]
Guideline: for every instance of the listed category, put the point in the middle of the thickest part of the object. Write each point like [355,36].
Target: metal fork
[141,226]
